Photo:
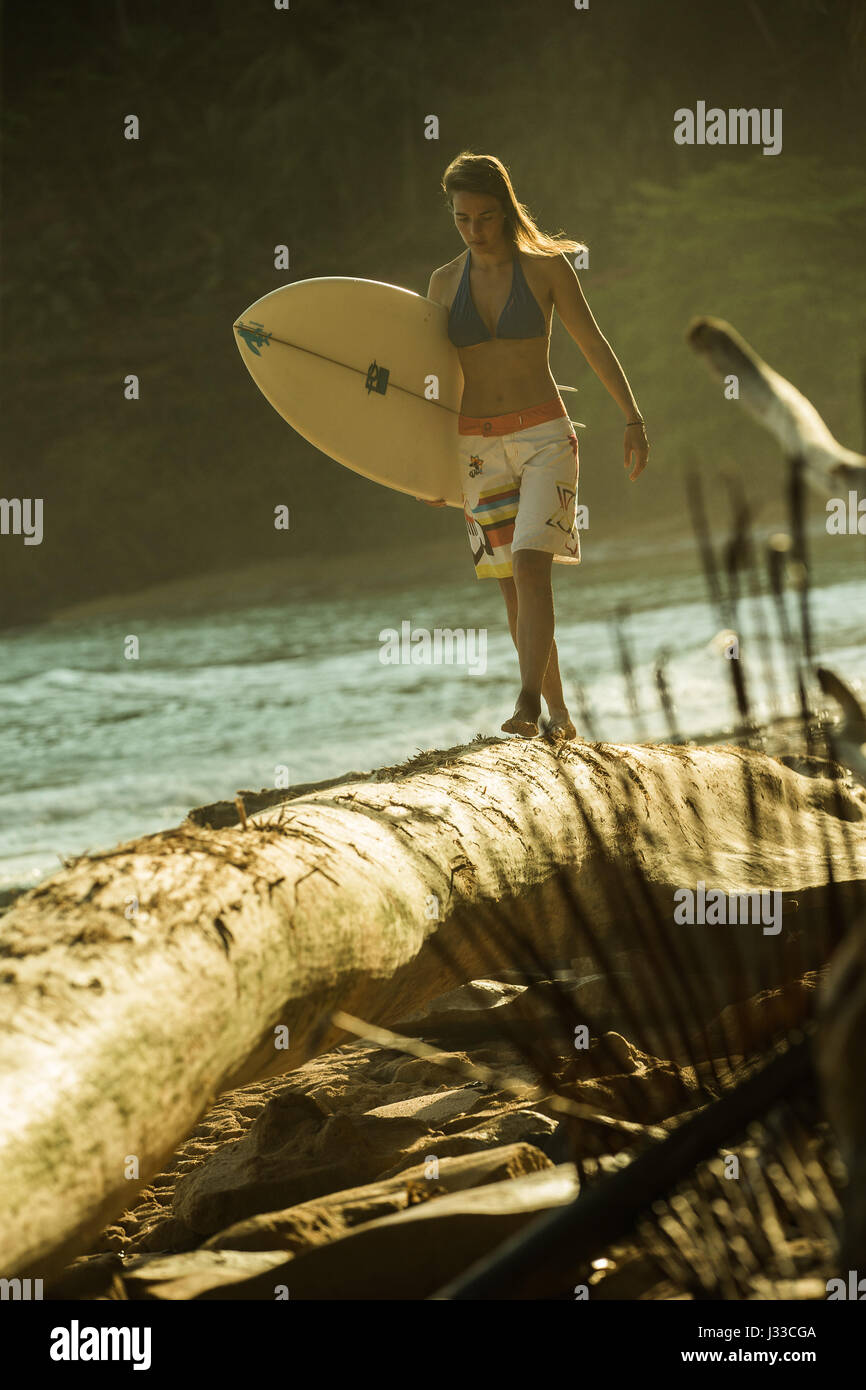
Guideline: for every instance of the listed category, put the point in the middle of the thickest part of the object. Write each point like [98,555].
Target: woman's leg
[529,604]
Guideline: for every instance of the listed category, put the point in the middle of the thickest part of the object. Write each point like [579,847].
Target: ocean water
[96,748]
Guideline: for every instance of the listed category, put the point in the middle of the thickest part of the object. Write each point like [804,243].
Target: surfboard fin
[577,423]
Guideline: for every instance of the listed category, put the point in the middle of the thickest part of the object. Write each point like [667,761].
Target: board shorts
[519,473]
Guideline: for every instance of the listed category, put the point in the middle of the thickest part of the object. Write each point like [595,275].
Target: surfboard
[367,373]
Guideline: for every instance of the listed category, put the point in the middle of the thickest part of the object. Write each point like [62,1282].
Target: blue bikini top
[521,318]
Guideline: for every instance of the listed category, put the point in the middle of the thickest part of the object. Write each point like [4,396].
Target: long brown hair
[484,173]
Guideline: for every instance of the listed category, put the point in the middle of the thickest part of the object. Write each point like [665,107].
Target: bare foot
[524,720]
[524,727]
[559,725]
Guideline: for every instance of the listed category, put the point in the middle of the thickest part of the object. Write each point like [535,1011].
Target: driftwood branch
[777,405]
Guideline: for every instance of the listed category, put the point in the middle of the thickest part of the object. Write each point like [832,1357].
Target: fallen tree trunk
[138,985]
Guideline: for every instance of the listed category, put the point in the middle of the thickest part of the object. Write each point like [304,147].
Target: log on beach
[139,984]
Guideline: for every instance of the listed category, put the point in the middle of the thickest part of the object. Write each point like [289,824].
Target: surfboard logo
[254,336]
[377,378]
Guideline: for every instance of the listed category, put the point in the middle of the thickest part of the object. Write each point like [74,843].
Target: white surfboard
[366,372]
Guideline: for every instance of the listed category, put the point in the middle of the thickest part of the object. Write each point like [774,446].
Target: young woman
[518,451]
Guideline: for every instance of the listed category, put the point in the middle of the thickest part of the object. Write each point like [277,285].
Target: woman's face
[479,218]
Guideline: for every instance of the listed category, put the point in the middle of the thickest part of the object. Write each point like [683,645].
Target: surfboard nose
[366,372]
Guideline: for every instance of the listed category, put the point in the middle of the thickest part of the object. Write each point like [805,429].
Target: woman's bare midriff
[505,374]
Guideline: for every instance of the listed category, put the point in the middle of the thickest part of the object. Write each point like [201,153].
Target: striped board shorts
[519,473]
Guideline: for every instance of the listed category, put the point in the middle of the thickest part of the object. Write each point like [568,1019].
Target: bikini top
[521,318]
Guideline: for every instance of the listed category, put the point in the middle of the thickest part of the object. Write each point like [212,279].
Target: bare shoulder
[553,269]
[443,281]
[456,264]
[544,274]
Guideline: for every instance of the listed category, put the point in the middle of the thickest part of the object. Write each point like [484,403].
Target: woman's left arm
[576,314]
